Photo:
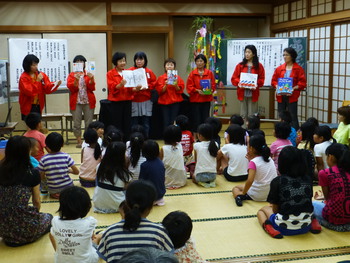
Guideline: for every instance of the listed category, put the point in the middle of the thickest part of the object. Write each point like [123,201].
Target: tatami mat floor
[222,231]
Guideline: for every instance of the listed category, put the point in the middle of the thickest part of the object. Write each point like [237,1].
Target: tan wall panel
[140,20]
[190,8]
[17,14]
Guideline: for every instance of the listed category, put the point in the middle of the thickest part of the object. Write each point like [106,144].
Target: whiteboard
[270,53]
[52,53]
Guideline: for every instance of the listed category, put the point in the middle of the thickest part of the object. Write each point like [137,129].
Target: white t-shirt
[237,161]
[73,240]
[264,173]
[205,163]
[175,173]
[135,170]
[320,151]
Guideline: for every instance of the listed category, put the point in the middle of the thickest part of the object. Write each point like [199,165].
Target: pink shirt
[40,137]
[337,206]
[276,147]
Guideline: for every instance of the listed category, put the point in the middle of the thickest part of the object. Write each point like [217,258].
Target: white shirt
[205,163]
[237,161]
[175,173]
[73,240]
[264,173]
[320,151]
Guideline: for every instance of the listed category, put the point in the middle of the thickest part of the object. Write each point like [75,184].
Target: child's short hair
[54,141]
[253,122]
[236,119]
[325,132]
[32,120]
[282,130]
[236,133]
[345,112]
[286,116]
[215,123]
[96,125]
[172,134]
[179,227]
[183,122]
[150,150]
[74,203]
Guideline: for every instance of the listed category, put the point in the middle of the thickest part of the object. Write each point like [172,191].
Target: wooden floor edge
[283,256]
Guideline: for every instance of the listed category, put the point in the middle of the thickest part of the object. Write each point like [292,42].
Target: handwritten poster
[52,53]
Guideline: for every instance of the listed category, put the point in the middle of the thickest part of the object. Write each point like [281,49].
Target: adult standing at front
[170,89]
[141,111]
[82,98]
[200,102]
[290,69]
[33,85]
[21,223]
[120,96]
[248,97]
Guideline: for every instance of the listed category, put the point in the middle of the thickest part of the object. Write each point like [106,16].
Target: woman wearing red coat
[141,110]
[248,97]
[200,102]
[82,98]
[119,95]
[290,69]
[33,85]
[170,95]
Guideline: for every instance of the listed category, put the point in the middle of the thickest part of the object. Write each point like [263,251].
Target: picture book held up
[172,77]
[284,86]
[206,86]
[248,80]
[135,77]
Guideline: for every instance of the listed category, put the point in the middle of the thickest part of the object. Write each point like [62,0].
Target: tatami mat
[222,231]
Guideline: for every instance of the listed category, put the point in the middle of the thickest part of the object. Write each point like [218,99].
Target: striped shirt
[55,166]
[116,241]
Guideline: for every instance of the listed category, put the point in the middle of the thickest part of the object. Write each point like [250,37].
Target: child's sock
[315,226]
[267,226]
[239,200]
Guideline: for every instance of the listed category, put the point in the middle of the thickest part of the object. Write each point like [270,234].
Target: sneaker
[315,227]
[239,201]
[271,231]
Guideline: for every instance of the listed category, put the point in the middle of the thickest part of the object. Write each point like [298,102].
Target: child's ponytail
[91,137]
[97,151]
[344,162]
[136,142]
[206,130]
[213,148]
[140,196]
[258,142]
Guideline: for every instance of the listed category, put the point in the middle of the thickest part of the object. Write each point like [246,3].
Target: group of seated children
[134,231]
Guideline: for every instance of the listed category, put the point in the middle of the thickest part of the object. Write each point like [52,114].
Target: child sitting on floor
[172,156]
[90,158]
[179,227]
[205,152]
[333,213]
[231,159]
[290,194]
[261,171]
[33,121]
[134,154]
[322,137]
[73,229]
[56,165]
[281,132]
[342,134]
[285,116]
[34,148]
[153,170]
